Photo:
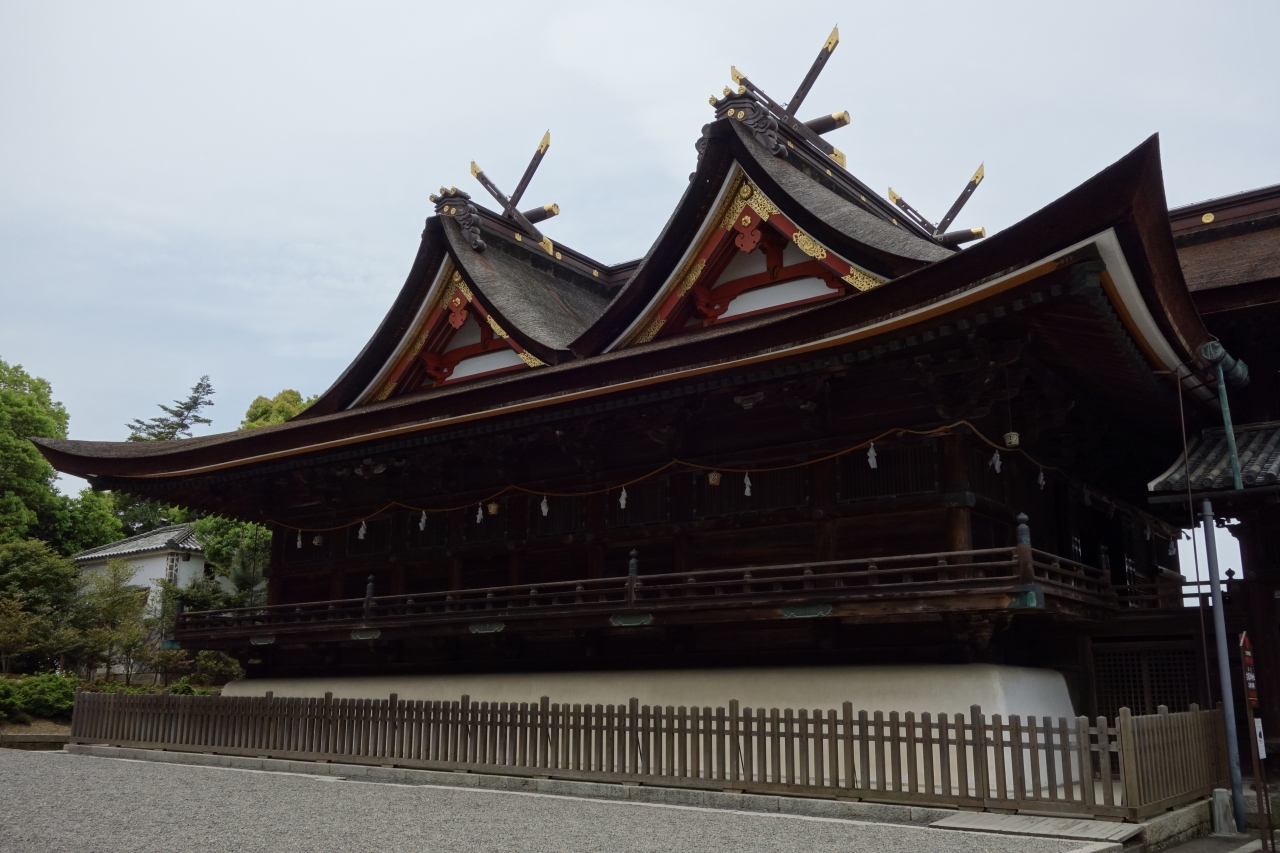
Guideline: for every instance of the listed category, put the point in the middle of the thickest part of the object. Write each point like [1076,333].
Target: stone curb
[877,812]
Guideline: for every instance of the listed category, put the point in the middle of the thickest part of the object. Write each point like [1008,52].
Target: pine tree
[178,419]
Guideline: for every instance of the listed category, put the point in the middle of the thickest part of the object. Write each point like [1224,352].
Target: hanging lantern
[492,507]
[1173,548]
[422,522]
[317,540]
[713,479]
[1040,479]
[622,498]
[1088,499]
[544,506]
[871,456]
[746,485]
[995,462]
[1146,533]
[1011,439]
[479,514]
[363,530]
[299,538]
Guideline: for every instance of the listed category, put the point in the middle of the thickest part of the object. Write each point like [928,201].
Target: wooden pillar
[680,553]
[824,546]
[455,572]
[336,583]
[955,485]
[822,496]
[515,567]
[595,561]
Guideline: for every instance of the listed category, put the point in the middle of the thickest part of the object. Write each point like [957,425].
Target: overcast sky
[238,189]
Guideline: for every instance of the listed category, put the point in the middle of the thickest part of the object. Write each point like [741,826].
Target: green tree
[82,522]
[27,410]
[122,631]
[30,505]
[45,581]
[275,410]
[18,631]
[238,551]
[140,514]
[178,419]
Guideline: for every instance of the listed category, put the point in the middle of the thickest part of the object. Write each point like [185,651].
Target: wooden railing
[951,574]
[1137,767]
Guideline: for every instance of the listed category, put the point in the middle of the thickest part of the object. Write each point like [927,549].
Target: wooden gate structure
[1132,768]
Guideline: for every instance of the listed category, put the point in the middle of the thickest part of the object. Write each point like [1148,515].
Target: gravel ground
[52,801]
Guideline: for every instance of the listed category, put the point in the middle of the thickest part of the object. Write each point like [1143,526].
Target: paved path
[52,801]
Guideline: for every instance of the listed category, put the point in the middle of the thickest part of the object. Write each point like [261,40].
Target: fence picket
[1163,759]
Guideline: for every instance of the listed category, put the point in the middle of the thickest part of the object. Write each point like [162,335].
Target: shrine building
[811,442]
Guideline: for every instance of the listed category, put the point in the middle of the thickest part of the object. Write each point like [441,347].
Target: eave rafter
[746,221]
[428,361]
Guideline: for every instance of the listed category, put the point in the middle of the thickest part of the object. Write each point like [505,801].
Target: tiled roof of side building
[1208,464]
[174,537]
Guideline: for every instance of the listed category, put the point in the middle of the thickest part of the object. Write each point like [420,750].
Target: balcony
[902,588]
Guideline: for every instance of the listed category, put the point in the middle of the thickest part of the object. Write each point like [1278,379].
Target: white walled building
[172,553]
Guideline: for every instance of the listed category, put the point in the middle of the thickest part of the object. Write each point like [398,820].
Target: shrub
[216,668]
[119,687]
[48,695]
[182,687]
[10,707]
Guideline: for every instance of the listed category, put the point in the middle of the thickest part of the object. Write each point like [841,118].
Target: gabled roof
[545,303]
[1143,323]
[821,198]
[175,537]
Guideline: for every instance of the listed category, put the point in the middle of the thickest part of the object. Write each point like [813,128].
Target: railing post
[368,598]
[1022,550]
[980,762]
[1128,748]
[633,573]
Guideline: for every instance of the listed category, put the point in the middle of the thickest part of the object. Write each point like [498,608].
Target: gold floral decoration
[530,359]
[691,277]
[862,280]
[650,331]
[763,206]
[808,245]
[497,330]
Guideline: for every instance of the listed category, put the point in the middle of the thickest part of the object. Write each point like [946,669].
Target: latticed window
[647,503]
[1142,680]
[898,471]
[562,516]
[769,490]
[171,568]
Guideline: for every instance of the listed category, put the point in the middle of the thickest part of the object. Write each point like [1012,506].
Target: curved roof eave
[1126,199]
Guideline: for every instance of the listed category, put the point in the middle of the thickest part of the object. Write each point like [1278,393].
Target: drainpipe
[1227,370]
[1224,665]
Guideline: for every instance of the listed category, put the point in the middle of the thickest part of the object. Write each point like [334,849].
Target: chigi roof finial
[939,231]
[526,218]
[744,105]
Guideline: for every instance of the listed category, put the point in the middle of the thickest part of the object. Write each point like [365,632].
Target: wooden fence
[1135,768]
